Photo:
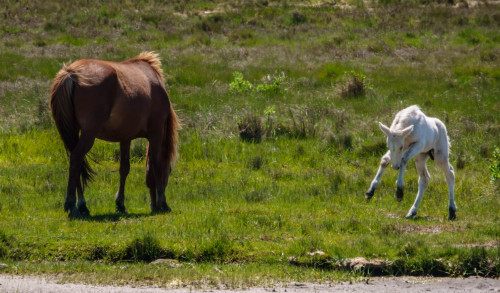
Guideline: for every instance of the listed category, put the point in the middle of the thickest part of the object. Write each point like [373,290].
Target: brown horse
[115,102]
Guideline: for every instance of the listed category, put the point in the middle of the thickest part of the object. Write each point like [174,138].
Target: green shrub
[239,84]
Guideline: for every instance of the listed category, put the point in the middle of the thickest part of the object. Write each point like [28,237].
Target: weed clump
[355,86]
[250,128]
[4,243]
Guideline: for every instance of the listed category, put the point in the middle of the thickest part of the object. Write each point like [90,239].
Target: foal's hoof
[399,194]
[411,215]
[369,194]
[452,215]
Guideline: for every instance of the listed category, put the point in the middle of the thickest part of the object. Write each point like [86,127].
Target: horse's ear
[406,131]
[384,128]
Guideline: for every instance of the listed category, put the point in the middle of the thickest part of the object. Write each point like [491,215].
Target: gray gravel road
[19,284]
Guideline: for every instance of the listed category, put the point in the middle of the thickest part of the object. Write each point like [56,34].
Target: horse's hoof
[69,206]
[411,215]
[163,208]
[399,193]
[120,208]
[84,211]
[369,194]
[74,213]
[452,215]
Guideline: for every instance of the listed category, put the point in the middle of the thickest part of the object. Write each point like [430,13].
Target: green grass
[247,213]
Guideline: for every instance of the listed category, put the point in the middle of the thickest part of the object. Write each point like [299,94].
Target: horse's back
[118,98]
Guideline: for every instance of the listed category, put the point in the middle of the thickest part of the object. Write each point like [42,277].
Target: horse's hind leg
[124,170]
[384,162]
[423,182]
[75,165]
[82,204]
[156,177]
[443,163]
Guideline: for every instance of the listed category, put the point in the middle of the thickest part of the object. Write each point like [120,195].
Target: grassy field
[310,79]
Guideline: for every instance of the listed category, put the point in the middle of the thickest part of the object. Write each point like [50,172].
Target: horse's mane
[154,61]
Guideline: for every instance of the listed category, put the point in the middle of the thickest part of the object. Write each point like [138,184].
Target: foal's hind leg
[384,162]
[124,170]
[423,182]
[449,173]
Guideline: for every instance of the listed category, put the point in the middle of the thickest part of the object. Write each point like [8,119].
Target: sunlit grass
[247,213]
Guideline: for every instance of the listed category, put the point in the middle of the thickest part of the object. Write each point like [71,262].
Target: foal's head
[396,143]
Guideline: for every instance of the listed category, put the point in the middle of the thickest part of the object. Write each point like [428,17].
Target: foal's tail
[63,113]
[171,136]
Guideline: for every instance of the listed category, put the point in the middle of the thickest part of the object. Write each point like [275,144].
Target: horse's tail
[171,135]
[63,114]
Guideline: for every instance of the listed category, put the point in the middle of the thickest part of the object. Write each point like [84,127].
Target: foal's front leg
[384,162]
[413,150]
[124,170]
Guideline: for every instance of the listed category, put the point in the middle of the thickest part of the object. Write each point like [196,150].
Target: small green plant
[495,167]
[271,84]
[269,112]
[240,84]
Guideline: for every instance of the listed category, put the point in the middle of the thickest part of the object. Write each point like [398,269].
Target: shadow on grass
[113,217]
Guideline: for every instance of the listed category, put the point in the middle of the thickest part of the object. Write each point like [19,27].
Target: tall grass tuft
[144,249]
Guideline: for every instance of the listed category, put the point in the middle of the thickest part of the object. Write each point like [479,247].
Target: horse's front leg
[413,150]
[423,182]
[124,170]
[384,162]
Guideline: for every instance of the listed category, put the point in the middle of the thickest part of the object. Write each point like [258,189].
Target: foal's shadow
[113,217]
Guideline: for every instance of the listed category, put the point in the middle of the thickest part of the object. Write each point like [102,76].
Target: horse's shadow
[113,217]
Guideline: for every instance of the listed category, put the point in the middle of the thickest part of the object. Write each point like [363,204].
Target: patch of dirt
[401,284]
[433,229]
[492,243]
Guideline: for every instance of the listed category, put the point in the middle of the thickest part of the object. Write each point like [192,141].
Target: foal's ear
[406,131]
[384,128]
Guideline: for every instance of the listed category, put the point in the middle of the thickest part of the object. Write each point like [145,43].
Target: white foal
[412,134]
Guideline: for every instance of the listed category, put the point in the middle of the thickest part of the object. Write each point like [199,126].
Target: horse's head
[396,143]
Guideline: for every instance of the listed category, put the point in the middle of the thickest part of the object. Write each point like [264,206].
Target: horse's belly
[122,129]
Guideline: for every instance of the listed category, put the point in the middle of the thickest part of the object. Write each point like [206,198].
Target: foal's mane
[154,61]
